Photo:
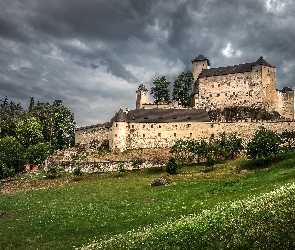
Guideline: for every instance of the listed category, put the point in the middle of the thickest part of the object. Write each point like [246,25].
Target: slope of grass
[101,206]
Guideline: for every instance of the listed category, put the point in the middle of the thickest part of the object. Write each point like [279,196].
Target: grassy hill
[238,205]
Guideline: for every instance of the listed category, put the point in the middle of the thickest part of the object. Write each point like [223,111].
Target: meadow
[241,204]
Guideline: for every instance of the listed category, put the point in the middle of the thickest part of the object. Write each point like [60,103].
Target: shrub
[172,166]
[53,172]
[77,171]
[137,162]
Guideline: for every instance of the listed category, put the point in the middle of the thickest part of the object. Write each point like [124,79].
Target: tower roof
[261,61]
[142,88]
[201,58]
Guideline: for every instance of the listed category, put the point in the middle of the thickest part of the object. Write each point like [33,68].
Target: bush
[53,172]
[209,163]
[172,166]
[78,171]
[137,162]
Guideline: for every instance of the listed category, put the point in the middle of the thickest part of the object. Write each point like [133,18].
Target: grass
[100,206]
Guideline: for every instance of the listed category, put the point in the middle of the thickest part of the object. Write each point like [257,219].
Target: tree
[38,153]
[10,115]
[264,144]
[182,88]
[29,132]
[288,138]
[12,157]
[232,144]
[64,126]
[160,90]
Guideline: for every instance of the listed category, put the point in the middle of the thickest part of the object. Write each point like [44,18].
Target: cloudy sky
[93,54]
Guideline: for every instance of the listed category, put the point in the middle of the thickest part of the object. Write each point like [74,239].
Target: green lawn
[100,206]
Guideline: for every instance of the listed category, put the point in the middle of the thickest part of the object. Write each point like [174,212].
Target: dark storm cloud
[94,54]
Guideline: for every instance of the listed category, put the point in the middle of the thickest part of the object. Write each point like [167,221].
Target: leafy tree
[264,144]
[288,138]
[38,153]
[180,150]
[64,125]
[182,88]
[12,156]
[160,90]
[10,115]
[29,132]
[232,144]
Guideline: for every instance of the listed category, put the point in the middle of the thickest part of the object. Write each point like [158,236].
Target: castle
[238,98]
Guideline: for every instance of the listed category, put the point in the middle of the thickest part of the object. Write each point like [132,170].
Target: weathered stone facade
[242,85]
[244,88]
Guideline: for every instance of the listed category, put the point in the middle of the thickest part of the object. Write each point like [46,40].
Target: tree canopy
[182,88]
[161,91]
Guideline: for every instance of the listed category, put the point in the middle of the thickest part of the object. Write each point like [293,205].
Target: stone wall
[97,166]
[163,135]
[93,137]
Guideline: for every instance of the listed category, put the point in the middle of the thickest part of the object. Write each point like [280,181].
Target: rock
[161,182]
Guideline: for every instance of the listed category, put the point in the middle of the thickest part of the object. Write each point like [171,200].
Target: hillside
[240,204]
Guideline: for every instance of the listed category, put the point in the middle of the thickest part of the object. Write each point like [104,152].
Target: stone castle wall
[243,89]
[163,135]
[93,137]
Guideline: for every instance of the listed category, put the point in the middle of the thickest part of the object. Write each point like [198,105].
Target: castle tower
[200,63]
[141,96]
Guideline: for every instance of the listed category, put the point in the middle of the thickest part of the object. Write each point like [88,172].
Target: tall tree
[10,115]
[182,88]
[160,90]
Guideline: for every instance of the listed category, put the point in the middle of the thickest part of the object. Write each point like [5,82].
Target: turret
[200,63]
[141,96]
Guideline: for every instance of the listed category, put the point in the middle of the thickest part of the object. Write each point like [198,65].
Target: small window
[234,93]
[218,85]
[116,135]
[174,134]
[132,126]
[145,118]
[212,86]
[228,84]
[143,126]
[174,118]
[189,118]
[143,135]
[159,126]
[152,126]
[116,124]
[159,134]
[188,125]
[175,126]
[225,93]
[159,118]
[190,134]
[218,94]
[210,95]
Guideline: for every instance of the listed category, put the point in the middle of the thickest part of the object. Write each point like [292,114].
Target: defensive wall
[123,135]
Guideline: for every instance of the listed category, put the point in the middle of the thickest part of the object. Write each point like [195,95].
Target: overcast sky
[94,54]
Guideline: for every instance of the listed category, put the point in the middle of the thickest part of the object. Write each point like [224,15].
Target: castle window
[212,86]
[145,118]
[210,95]
[173,117]
[159,126]
[225,93]
[234,93]
[132,126]
[190,134]
[218,94]
[152,126]
[245,82]
[188,118]
[175,126]
[116,135]
[188,125]
[228,84]
[159,134]
[143,126]
[143,135]
[159,118]
[218,85]
[174,134]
